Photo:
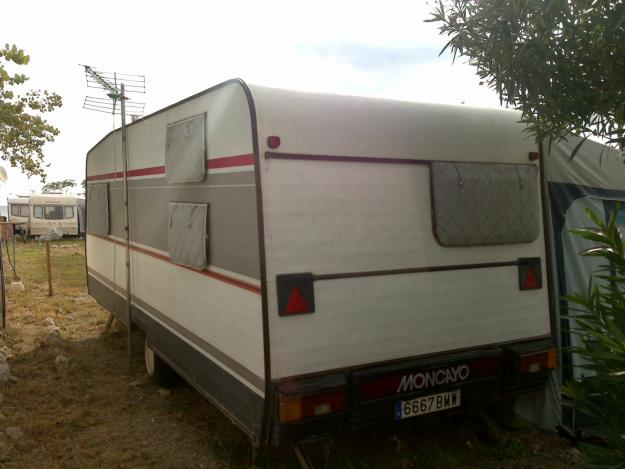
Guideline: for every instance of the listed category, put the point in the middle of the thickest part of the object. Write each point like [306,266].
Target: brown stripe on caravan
[346,159]
[228,361]
[207,273]
[371,159]
[414,270]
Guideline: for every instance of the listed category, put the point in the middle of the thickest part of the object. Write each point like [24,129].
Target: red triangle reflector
[531,282]
[297,303]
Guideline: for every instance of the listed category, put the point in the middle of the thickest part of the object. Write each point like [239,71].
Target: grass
[96,412]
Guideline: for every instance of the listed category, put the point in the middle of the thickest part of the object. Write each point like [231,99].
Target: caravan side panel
[206,323]
[347,195]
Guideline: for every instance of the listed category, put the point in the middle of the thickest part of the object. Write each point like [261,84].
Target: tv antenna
[116,86]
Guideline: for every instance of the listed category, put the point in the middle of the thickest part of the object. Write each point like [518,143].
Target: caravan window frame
[43,212]
[37,208]
[22,208]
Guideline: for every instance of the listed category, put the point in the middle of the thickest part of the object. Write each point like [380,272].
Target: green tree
[58,185]
[560,62]
[599,320]
[23,132]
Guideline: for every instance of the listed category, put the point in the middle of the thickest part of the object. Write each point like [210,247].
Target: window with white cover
[484,203]
[185,150]
[187,236]
[98,209]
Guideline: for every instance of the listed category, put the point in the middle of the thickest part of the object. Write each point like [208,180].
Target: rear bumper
[372,393]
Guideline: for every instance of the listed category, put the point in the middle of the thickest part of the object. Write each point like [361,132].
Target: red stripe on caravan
[215,163]
[207,273]
[230,161]
[131,173]
[98,177]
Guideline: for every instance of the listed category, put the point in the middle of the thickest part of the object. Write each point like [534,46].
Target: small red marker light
[297,303]
[529,273]
[534,155]
[273,141]
[531,282]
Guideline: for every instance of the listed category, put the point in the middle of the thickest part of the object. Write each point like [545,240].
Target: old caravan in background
[53,210]
[314,263]
[38,213]
[19,211]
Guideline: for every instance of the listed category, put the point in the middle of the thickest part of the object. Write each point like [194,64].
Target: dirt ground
[76,402]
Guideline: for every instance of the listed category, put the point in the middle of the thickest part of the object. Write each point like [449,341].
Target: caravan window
[19,210]
[68,212]
[185,150]
[98,213]
[54,212]
[37,211]
[484,203]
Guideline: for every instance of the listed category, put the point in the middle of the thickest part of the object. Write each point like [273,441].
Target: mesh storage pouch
[185,150]
[479,204]
[98,209]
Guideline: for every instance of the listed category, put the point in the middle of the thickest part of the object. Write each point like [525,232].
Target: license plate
[427,404]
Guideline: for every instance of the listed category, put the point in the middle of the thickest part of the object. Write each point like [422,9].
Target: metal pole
[126,222]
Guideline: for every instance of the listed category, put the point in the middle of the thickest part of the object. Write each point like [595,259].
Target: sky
[377,49]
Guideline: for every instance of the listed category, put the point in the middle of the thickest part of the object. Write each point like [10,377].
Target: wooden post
[50,291]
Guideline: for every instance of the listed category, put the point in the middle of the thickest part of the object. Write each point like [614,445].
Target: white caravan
[18,211]
[314,263]
[49,211]
[38,213]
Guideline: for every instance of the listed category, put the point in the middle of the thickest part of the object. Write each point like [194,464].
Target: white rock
[49,322]
[52,337]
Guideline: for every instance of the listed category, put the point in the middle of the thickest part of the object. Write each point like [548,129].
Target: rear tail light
[537,361]
[296,408]
[530,275]
[296,294]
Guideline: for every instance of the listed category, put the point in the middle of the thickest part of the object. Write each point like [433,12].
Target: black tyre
[159,371]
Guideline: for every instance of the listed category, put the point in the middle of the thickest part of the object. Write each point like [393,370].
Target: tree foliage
[560,62]
[58,185]
[600,323]
[23,132]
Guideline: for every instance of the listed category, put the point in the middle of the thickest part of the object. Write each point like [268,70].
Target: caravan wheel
[158,370]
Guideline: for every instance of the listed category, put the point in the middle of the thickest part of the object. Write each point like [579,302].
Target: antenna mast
[116,86]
